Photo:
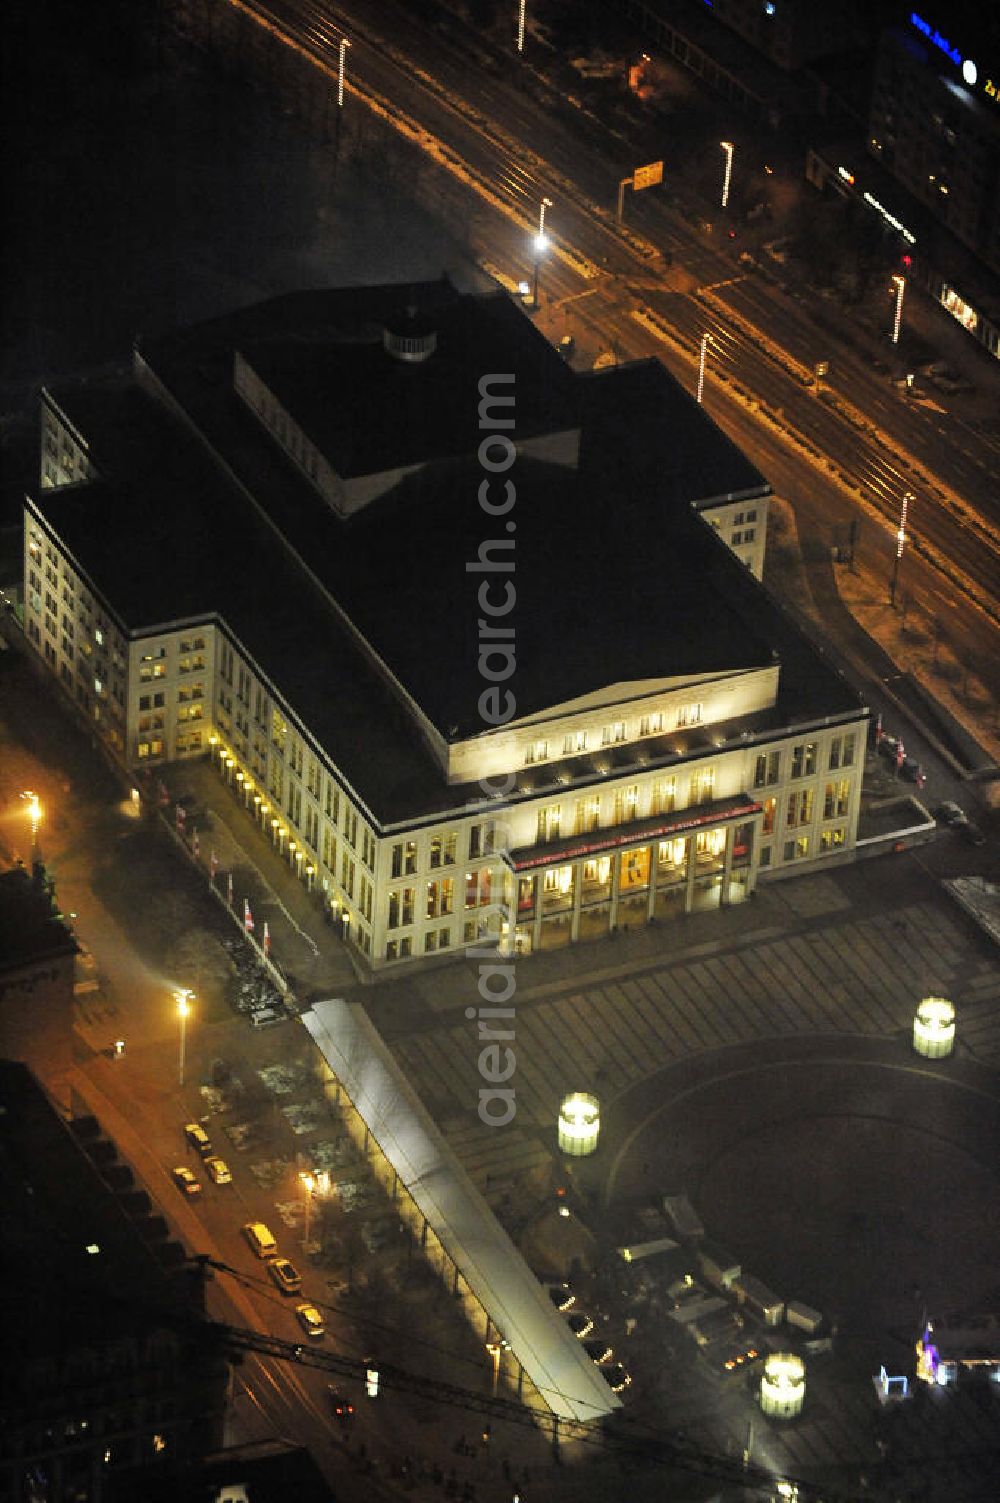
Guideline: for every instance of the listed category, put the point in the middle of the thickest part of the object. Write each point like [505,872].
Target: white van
[260,1239]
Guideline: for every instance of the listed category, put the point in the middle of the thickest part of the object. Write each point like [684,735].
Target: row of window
[794,850]
[619,731]
[625,806]
[439,902]
[841,752]
[434,939]
[801,806]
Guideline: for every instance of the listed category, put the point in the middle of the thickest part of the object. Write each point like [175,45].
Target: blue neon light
[933,35]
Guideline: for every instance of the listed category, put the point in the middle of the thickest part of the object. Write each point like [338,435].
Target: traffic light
[906,261]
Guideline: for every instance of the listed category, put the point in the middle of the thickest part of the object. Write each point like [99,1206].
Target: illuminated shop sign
[970,72]
[959,308]
[933,35]
[889,218]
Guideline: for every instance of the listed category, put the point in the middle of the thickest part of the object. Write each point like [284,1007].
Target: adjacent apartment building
[935,121]
[478,642]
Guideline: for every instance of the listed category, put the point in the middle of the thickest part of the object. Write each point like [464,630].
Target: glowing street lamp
[308,1185]
[183,998]
[579,1125]
[728,148]
[908,496]
[900,282]
[934,1028]
[494,1348]
[344,44]
[705,341]
[783,1385]
[34,812]
[541,244]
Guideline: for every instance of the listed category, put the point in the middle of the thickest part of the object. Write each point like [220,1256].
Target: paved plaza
[837,956]
[760,1060]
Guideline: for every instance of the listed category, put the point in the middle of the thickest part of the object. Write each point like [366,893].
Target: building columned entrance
[623,878]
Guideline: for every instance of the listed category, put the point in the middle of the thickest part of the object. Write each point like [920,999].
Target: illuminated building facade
[935,118]
[273,549]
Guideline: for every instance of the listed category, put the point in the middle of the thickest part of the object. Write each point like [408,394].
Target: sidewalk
[306,949]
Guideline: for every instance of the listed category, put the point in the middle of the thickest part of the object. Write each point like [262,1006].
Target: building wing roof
[495,1271]
[369,412]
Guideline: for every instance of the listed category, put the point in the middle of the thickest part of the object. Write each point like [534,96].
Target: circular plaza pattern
[864,1186]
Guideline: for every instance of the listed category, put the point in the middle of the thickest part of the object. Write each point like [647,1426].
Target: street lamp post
[344,44]
[493,1347]
[728,148]
[900,544]
[35,816]
[308,1185]
[897,320]
[184,999]
[341,61]
[496,1348]
[705,338]
[541,244]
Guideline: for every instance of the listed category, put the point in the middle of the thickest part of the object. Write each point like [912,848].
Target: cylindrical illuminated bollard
[579,1124]
[783,1386]
[934,1028]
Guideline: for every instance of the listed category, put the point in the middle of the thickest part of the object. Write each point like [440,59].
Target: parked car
[261,1239]
[198,1138]
[218,1171]
[561,1296]
[950,814]
[598,1351]
[342,1407]
[581,1325]
[185,1181]
[311,1321]
[913,772]
[285,1275]
[616,1377]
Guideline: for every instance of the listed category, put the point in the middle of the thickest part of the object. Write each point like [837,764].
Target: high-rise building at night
[935,118]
